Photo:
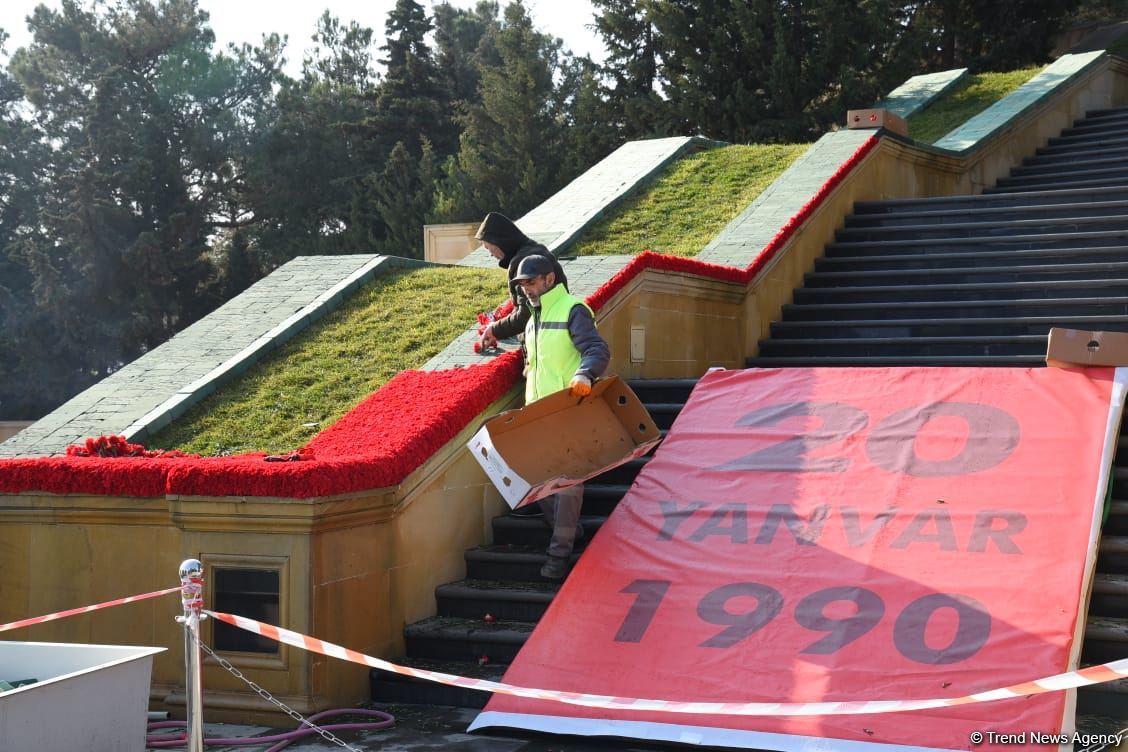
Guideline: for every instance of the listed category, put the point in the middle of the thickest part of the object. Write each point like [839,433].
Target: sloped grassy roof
[404,318]
[397,322]
[967,99]
[689,203]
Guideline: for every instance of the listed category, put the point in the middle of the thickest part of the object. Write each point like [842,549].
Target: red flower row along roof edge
[386,436]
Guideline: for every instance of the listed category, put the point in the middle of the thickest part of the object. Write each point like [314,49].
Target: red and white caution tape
[85,609]
[1070,679]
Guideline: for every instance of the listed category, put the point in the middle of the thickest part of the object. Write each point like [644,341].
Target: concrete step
[1066,174]
[976,259]
[1027,345]
[984,200]
[1050,164]
[1096,128]
[1005,185]
[919,327]
[508,563]
[1066,157]
[1112,113]
[449,638]
[969,275]
[1106,639]
[1028,241]
[662,390]
[510,530]
[664,413]
[1087,141]
[988,230]
[989,213]
[533,531]
[495,599]
[943,292]
[1024,307]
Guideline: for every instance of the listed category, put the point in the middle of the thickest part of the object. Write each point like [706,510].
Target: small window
[253,593]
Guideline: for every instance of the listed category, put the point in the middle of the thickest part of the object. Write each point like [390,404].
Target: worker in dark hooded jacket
[509,245]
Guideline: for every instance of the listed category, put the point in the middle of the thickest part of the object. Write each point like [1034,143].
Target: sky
[248,20]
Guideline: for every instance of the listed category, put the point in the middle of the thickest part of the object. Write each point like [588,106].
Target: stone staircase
[979,281]
[966,280]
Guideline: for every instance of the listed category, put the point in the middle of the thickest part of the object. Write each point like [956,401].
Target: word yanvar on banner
[729,521]
[831,535]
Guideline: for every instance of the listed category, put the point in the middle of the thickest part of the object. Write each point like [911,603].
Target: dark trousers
[562,513]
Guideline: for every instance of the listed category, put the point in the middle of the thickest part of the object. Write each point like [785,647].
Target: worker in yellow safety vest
[563,350]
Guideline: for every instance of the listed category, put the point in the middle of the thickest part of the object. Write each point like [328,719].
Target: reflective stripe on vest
[551,359]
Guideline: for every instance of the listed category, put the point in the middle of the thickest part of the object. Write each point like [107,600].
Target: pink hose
[166,741]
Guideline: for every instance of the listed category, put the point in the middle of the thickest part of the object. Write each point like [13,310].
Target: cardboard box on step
[561,440]
[1070,348]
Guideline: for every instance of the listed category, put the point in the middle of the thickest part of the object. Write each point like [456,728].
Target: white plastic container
[93,698]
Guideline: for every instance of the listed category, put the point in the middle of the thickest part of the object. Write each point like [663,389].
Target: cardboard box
[879,118]
[561,440]
[1070,348]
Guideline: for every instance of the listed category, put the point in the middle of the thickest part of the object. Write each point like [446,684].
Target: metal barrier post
[192,598]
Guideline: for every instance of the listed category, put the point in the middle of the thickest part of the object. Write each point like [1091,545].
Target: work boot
[555,567]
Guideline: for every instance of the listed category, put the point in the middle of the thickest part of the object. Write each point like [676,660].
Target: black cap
[533,265]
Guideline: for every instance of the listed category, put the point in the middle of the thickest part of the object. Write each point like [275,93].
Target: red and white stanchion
[192,598]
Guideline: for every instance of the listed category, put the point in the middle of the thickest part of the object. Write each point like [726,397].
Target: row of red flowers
[117,446]
[377,444]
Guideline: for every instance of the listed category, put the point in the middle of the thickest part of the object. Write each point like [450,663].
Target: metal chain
[328,735]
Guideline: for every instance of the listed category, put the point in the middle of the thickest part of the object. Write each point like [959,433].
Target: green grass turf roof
[967,99]
[397,322]
[689,203]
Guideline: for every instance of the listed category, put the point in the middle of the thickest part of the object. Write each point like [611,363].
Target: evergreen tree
[590,134]
[460,52]
[142,121]
[634,106]
[510,156]
[983,35]
[25,334]
[308,162]
[760,70]
[404,193]
[411,104]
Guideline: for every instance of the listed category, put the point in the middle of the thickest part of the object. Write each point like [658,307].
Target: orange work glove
[580,386]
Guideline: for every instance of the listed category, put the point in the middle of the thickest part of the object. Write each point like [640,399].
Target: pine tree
[143,122]
[459,50]
[589,131]
[634,106]
[403,194]
[412,106]
[307,165]
[510,155]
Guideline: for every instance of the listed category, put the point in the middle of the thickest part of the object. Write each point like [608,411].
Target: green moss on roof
[966,100]
[690,202]
[399,321]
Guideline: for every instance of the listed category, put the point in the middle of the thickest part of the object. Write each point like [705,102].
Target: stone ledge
[920,91]
[566,214]
[1000,115]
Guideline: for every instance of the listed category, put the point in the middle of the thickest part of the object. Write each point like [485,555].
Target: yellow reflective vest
[551,359]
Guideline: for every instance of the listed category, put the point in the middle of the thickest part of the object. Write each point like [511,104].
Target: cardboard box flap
[1070,348]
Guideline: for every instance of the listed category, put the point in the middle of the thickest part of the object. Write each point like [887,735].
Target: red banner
[809,535]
